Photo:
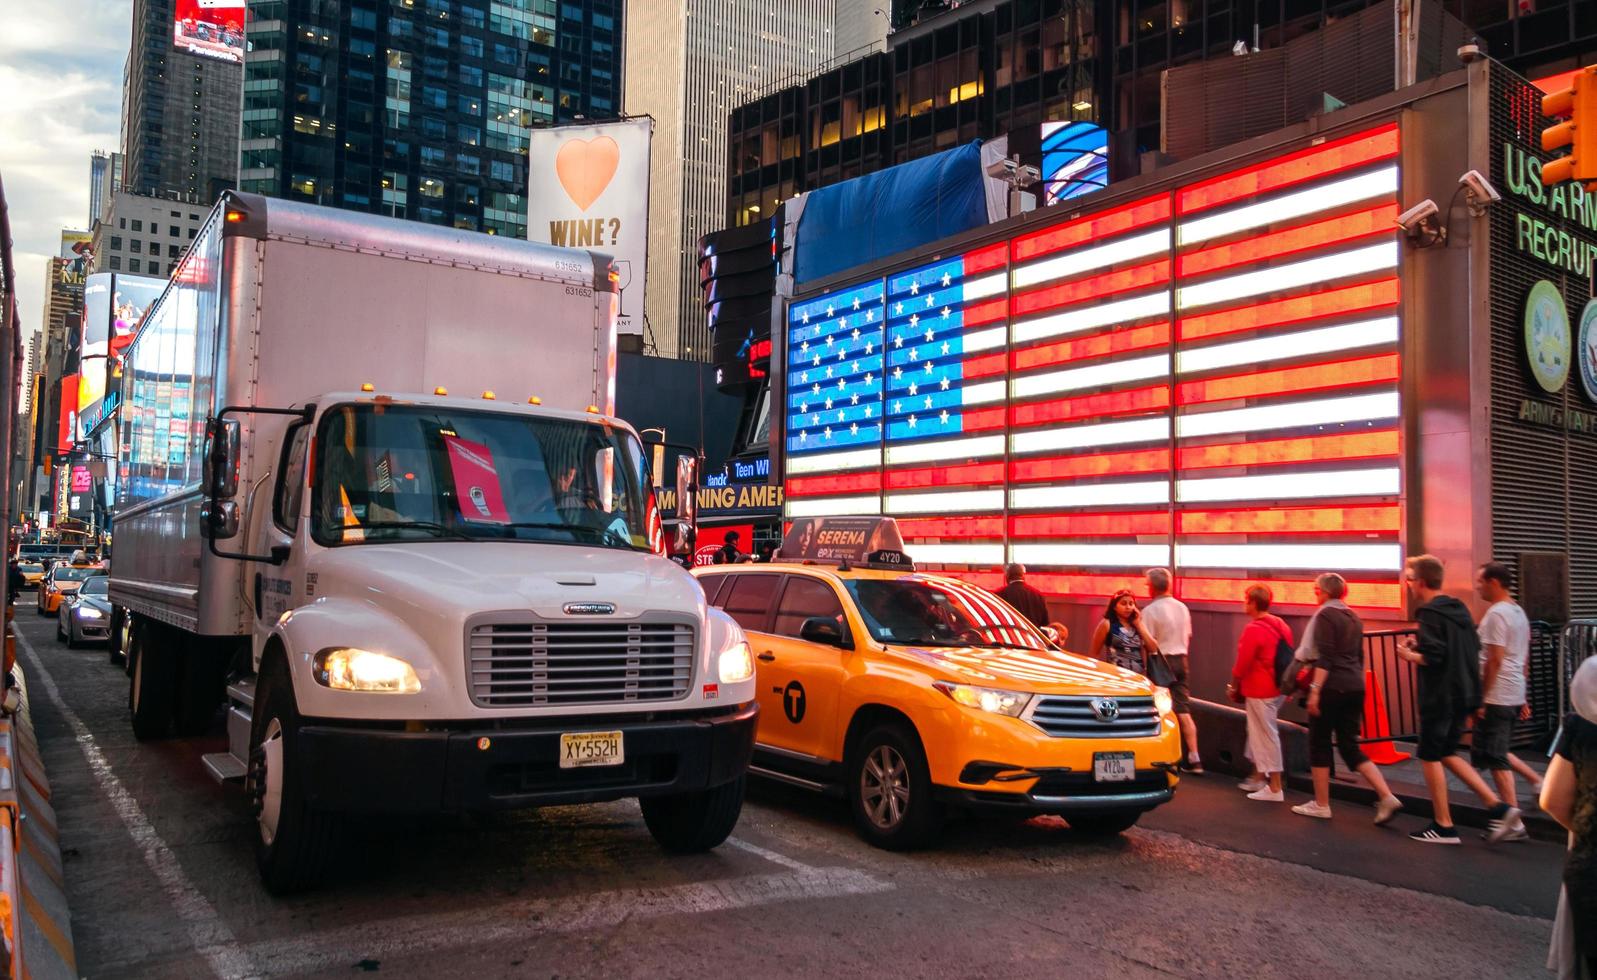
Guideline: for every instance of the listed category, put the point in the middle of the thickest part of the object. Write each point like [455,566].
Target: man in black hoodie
[1448,652]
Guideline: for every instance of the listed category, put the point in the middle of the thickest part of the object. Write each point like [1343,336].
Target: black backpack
[1284,655]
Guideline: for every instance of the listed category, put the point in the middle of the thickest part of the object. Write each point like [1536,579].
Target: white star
[829,310]
[928,367]
[815,420]
[840,415]
[912,421]
[947,279]
[806,318]
[914,319]
[842,323]
[856,367]
[828,432]
[914,286]
[898,341]
[805,347]
[898,372]
[914,354]
[817,388]
[869,347]
[869,378]
[853,428]
[854,399]
[928,401]
[944,416]
[803,435]
[805,377]
[945,347]
[931,301]
[914,389]
[842,354]
[828,404]
[929,333]
[944,384]
[856,302]
[870,316]
[867,411]
[898,309]
[946,312]
[841,384]
[829,340]
[828,372]
[855,335]
[817,362]
[804,408]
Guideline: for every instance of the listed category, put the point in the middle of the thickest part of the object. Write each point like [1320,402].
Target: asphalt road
[162,883]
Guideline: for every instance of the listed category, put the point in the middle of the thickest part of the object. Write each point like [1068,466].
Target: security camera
[1413,220]
[1480,190]
[1470,53]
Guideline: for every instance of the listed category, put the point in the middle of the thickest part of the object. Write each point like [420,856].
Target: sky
[60,99]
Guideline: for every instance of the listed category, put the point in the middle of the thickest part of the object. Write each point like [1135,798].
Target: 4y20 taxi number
[581,749]
[1114,767]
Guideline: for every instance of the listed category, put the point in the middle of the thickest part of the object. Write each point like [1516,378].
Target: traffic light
[1577,104]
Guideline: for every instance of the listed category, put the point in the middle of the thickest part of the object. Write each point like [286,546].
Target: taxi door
[800,680]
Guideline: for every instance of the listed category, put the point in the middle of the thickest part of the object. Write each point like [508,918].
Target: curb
[46,951]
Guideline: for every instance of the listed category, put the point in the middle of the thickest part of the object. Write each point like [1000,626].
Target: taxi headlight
[736,663]
[999,702]
[350,669]
[1161,700]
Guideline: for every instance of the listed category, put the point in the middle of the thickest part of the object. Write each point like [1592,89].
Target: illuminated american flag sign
[1205,377]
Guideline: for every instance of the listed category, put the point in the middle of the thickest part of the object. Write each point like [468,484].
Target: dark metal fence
[1578,641]
[1541,688]
[1395,681]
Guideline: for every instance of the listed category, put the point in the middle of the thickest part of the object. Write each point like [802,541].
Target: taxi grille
[1073,717]
[533,664]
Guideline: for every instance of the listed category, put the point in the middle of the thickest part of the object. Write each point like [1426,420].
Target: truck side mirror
[219,519]
[222,442]
[687,531]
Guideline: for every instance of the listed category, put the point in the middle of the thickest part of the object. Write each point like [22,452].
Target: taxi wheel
[1107,823]
[890,788]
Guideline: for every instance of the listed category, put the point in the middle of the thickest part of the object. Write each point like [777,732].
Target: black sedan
[85,615]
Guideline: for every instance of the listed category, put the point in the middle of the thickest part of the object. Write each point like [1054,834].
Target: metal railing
[1395,681]
[1577,642]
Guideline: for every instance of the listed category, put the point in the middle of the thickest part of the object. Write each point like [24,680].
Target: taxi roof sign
[865,542]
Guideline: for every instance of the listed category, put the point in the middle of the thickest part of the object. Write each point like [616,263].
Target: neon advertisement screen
[1205,377]
[210,29]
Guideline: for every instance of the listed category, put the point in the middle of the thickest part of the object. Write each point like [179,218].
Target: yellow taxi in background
[60,580]
[911,694]
[32,572]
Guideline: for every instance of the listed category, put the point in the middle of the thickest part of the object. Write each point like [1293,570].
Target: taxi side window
[749,600]
[714,585]
[804,598]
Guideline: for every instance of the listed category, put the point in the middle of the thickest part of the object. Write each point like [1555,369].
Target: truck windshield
[407,473]
[917,612]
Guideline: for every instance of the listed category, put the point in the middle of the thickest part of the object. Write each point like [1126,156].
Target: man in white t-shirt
[1170,624]
[1505,665]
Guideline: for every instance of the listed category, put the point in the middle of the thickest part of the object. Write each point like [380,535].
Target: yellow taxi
[912,694]
[32,572]
[60,580]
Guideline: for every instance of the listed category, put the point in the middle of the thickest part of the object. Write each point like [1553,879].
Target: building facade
[704,58]
[145,235]
[180,112]
[419,109]
[994,67]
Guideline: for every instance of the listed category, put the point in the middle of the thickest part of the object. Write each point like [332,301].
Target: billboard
[1075,159]
[67,426]
[210,29]
[588,187]
[113,303]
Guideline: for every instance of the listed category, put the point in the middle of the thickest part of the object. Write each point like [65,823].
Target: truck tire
[688,823]
[1106,823]
[890,790]
[150,690]
[293,841]
[199,689]
[116,638]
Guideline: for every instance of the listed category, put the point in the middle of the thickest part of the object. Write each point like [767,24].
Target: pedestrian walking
[1028,601]
[1569,796]
[1120,637]
[1505,666]
[1253,680]
[1169,622]
[1448,653]
[728,553]
[1334,641]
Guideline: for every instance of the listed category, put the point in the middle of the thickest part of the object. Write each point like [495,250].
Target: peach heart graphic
[585,168]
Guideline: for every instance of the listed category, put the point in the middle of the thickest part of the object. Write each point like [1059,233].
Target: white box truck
[371,496]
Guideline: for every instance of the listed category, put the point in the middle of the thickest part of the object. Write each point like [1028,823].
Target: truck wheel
[293,841]
[1107,823]
[117,641]
[199,690]
[890,789]
[150,691]
[689,823]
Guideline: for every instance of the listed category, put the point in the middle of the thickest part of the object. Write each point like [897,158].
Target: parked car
[85,615]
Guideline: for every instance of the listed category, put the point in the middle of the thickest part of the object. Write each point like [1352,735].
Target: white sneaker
[1313,809]
[1251,785]
[1386,809]
[1268,795]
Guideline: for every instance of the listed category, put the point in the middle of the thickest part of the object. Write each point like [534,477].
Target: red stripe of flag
[943,476]
[1317,304]
[1274,452]
[1091,464]
[1379,220]
[1353,373]
[1117,524]
[982,259]
[1137,214]
[1282,172]
[935,528]
[1083,348]
[1092,287]
[1102,405]
[814,486]
[985,365]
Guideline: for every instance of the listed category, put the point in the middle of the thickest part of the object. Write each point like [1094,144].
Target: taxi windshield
[409,473]
[75,573]
[923,613]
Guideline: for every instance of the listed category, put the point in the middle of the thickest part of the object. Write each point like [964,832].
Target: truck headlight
[999,702]
[350,669]
[1161,701]
[736,663]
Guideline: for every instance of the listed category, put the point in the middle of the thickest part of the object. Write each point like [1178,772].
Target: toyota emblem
[1105,709]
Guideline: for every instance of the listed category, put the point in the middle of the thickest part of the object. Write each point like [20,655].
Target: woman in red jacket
[1253,679]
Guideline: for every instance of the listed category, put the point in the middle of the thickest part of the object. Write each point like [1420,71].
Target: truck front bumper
[364,770]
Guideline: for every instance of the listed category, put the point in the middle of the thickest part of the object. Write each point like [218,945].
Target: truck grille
[537,664]
[1073,717]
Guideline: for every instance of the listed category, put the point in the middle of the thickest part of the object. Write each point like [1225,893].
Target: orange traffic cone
[1376,726]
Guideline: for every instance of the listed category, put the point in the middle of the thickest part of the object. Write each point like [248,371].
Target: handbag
[1160,671]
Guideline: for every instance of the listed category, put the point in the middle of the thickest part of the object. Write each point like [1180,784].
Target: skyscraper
[181,104]
[99,178]
[419,108]
[705,57]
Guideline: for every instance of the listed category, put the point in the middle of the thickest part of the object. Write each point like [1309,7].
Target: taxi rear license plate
[1114,767]
[581,749]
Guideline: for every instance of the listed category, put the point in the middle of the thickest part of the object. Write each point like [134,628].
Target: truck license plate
[1114,767]
[580,749]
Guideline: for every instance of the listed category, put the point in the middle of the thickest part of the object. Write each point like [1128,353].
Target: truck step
[223,767]
[242,691]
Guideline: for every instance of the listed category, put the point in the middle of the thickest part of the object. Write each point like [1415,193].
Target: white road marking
[520,921]
[769,855]
[211,937]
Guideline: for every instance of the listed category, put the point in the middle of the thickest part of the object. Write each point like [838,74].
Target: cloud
[61,75]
